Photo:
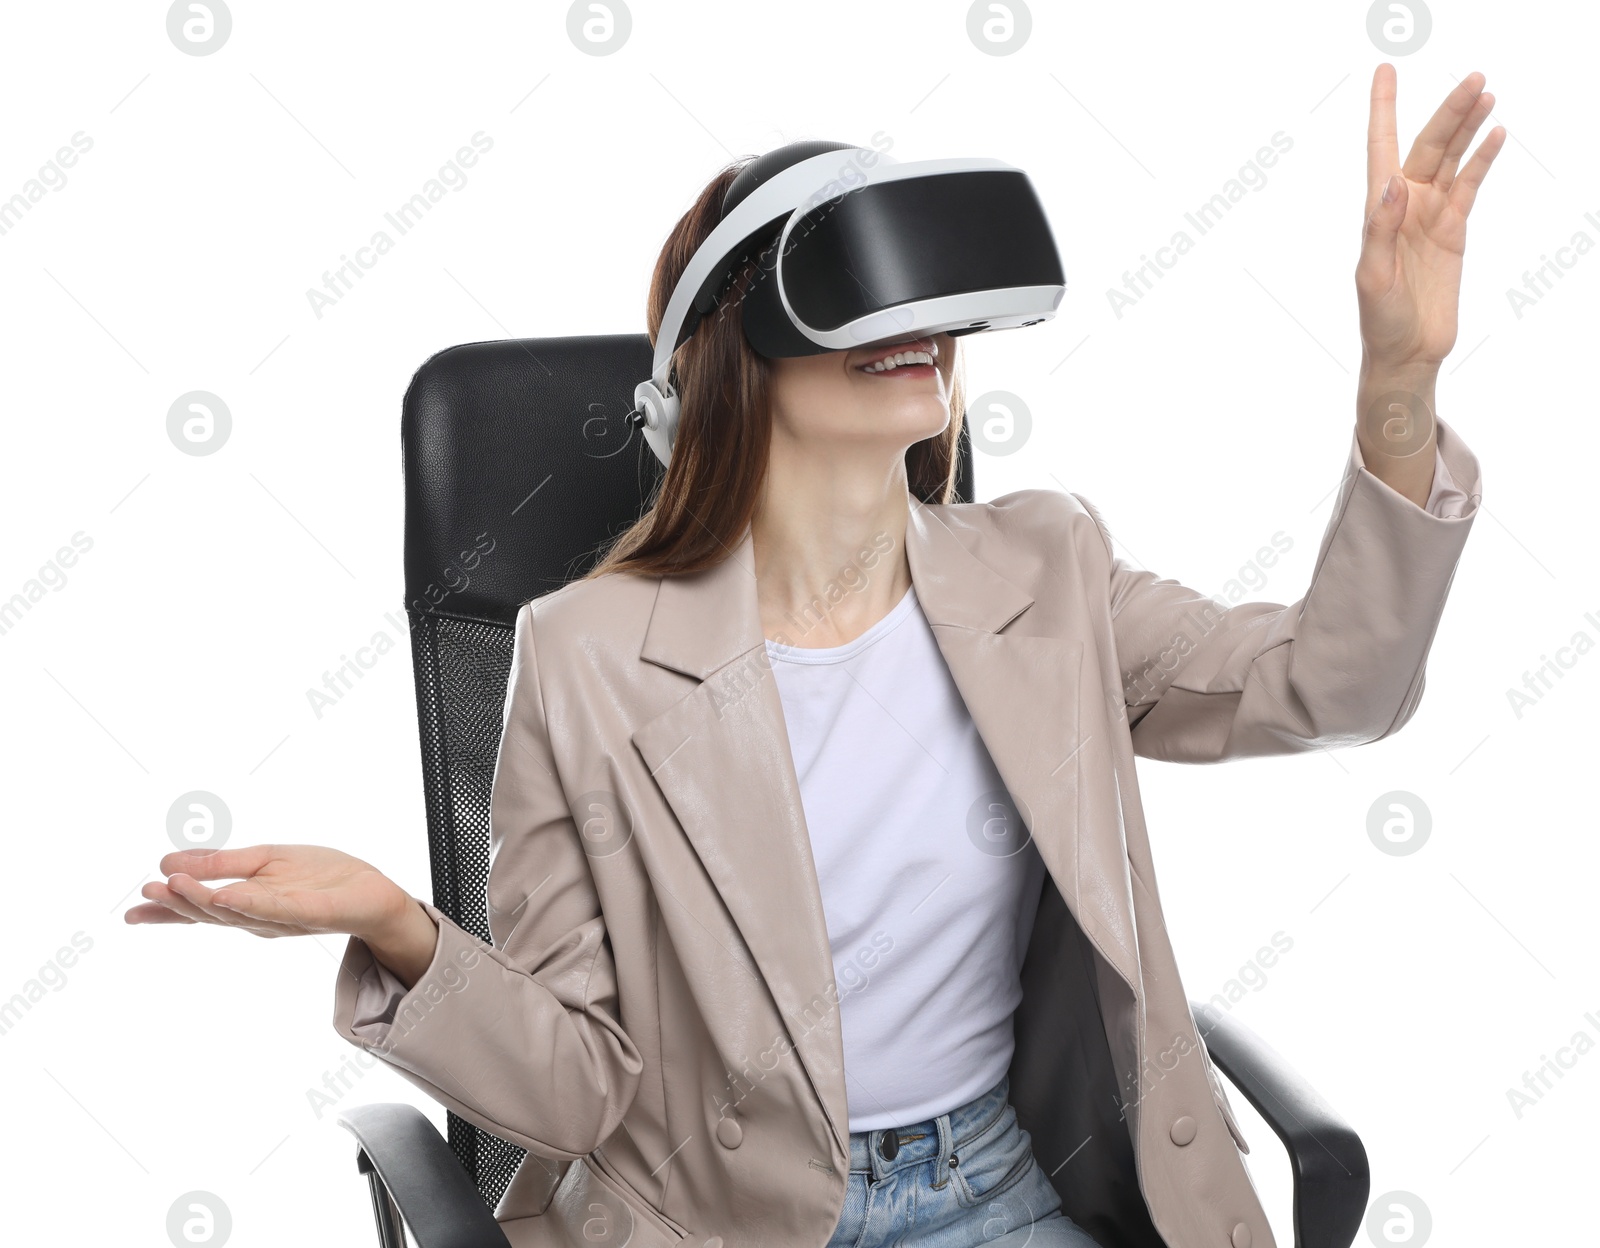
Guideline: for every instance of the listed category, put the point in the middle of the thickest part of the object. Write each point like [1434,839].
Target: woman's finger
[1422,161]
[154,912]
[1375,267]
[1461,140]
[223,916]
[202,902]
[1465,188]
[1383,151]
[163,894]
[218,864]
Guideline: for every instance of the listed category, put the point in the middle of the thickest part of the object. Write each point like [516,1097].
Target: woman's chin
[914,422]
[924,418]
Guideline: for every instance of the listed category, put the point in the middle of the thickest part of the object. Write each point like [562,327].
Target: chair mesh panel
[462,668]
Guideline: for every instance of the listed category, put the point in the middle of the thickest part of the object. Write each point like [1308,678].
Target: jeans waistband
[933,1138]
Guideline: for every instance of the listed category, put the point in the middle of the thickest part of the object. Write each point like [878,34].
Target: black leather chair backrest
[520,467]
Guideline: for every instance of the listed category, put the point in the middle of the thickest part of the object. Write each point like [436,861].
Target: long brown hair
[719,459]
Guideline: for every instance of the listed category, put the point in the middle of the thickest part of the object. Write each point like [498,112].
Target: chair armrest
[1331,1176]
[441,1206]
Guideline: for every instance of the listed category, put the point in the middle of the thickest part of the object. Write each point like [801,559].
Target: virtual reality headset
[855,249]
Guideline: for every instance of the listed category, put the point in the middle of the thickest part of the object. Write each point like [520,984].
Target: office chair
[519,466]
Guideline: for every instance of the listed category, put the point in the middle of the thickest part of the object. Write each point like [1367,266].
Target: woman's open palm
[282,890]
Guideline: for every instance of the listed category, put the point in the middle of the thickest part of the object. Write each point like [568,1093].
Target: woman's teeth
[895,361]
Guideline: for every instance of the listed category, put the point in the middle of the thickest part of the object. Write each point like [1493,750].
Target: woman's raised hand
[1408,277]
[281,890]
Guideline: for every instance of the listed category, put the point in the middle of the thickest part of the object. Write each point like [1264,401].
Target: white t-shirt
[930,882]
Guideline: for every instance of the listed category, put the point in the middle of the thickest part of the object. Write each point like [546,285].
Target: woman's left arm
[1345,664]
[1408,276]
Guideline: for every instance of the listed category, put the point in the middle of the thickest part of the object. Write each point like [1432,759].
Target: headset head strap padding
[747,180]
[774,162]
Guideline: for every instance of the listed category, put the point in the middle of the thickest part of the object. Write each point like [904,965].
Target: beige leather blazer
[657,1021]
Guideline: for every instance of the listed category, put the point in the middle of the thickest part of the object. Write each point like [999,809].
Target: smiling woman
[702,821]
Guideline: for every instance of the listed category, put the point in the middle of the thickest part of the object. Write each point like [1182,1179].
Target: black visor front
[896,242]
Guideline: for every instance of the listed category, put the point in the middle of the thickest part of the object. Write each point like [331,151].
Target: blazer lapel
[1043,721]
[721,757]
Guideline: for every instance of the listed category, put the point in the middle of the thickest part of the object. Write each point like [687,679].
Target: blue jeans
[960,1180]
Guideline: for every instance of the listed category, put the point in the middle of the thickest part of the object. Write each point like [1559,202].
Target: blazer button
[1183,1130]
[729,1133]
[1241,1236]
[714,1242]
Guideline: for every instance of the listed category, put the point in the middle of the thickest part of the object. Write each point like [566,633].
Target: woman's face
[862,399]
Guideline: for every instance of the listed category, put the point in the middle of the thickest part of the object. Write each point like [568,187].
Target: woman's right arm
[524,1037]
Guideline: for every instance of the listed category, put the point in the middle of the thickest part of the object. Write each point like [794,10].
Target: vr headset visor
[855,249]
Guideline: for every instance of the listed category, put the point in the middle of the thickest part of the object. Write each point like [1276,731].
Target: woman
[790,960]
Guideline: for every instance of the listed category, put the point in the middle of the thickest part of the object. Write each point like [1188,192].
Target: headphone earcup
[660,418]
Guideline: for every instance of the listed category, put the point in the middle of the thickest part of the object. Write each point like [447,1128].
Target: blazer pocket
[532,1188]
[642,1210]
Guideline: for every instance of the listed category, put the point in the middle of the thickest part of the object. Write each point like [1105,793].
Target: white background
[176,654]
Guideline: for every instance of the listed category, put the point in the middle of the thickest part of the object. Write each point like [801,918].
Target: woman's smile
[910,359]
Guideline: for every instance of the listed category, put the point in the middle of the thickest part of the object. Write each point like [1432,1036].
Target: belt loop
[941,1165]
